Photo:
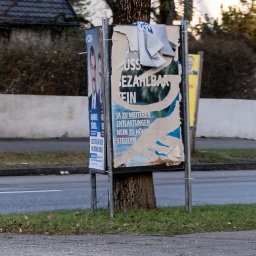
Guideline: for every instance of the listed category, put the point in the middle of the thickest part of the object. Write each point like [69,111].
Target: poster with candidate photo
[96,99]
[193,77]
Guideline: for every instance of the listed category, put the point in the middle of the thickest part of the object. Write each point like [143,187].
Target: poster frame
[183,115]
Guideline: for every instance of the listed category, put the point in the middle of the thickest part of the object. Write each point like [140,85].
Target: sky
[211,7]
[99,11]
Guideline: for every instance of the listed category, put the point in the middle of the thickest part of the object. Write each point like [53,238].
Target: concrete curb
[62,170]
[51,170]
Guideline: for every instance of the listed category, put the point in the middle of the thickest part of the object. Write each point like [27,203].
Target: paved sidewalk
[240,243]
[37,145]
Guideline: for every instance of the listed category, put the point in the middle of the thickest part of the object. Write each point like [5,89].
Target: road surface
[51,192]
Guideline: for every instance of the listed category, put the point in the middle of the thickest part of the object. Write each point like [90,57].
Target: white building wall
[227,118]
[29,116]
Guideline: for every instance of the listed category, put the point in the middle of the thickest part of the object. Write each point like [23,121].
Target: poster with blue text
[145,96]
[96,98]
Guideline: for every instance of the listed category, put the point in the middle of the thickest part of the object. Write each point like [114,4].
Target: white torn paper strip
[153,45]
[149,49]
[150,46]
[160,32]
[131,35]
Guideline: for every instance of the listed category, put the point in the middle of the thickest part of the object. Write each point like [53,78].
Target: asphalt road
[53,192]
[30,145]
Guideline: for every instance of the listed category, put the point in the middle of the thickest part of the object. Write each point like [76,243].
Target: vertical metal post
[188,192]
[106,54]
[93,192]
[93,175]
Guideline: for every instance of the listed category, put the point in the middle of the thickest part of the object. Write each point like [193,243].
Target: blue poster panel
[96,98]
[145,96]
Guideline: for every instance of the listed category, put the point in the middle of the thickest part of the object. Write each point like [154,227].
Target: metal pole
[106,54]
[188,192]
[93,175]
[93,192]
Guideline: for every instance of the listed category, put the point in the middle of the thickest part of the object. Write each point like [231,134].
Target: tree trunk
[167,12]
[132,190]
[172,13]
[128,11]
[188,9]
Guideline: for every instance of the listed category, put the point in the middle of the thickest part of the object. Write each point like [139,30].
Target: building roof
[37,12]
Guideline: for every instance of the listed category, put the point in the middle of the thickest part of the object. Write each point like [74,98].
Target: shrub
[228,68]
[55,69]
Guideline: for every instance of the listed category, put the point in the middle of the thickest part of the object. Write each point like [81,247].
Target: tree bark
[128,11]
[188,9]
[172,13]
[132,190]
[167,12]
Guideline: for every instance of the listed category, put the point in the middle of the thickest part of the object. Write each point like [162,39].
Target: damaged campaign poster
[146,121]
[193,71]
[96,98]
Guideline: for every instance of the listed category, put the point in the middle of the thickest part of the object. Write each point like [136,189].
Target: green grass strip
[82,157]
[163,221]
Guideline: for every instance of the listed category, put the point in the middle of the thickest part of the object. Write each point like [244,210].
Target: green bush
[229,67]
[58,69]
[55,69]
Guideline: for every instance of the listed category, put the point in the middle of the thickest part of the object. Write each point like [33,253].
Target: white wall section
[227,118]
[30,116]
